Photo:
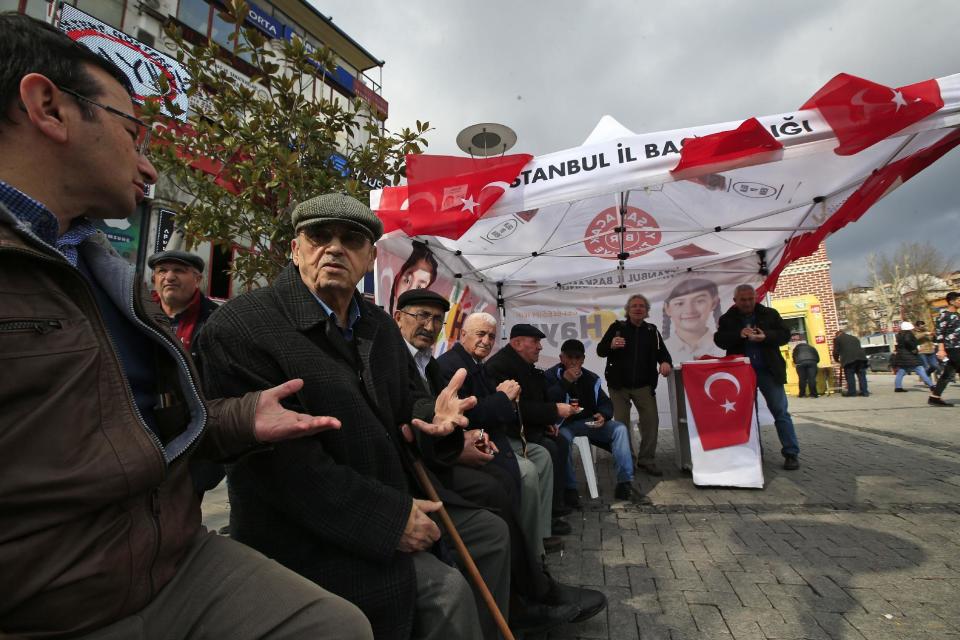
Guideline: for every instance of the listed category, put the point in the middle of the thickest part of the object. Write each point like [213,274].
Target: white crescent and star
[469,204]
[721,375]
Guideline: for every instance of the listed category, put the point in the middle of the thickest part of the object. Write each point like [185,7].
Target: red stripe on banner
[721,398]
[748,144]
[878,185]
[862,113]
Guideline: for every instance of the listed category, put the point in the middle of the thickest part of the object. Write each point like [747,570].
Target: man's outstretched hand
[272,422]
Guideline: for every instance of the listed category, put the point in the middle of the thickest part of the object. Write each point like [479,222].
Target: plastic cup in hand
[575,403]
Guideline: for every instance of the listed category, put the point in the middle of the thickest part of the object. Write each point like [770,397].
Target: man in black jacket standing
[851,356]
[805,359]
[752,329]
[635,355]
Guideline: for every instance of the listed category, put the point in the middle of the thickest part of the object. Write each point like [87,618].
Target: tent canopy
[730,202]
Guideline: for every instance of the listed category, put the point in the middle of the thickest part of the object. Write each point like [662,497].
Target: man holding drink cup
[593,417]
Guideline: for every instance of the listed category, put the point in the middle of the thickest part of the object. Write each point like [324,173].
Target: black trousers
[492,487]
[807,374]
[951,367]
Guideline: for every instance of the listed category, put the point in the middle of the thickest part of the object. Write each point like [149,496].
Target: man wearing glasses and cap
[100,530]
[344,511]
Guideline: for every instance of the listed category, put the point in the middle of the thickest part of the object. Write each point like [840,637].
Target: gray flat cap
[337,207]
[176,256]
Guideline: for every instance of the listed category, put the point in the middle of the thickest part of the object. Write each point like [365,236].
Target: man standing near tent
[948,347]
[757,331]
[636,355]
[848,351]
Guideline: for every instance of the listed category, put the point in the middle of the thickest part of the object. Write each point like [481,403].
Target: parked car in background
[878,357]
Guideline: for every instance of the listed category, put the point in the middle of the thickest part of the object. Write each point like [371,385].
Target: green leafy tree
[266,145]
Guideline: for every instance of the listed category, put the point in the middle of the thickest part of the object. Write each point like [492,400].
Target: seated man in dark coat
[340,508]
[543,600]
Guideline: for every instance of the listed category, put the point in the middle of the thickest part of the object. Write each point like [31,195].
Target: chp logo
[640,236]
[143,65]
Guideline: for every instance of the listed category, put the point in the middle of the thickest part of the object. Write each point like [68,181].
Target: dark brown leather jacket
[95,513]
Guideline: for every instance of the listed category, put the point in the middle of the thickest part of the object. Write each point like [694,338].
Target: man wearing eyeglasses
[343,511]
[100,532]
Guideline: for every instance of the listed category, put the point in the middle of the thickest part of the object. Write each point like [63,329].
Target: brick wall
[811,276]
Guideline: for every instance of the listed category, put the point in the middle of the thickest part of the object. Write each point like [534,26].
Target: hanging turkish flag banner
[721,397]
[446,195]
[862,113]
[748,144]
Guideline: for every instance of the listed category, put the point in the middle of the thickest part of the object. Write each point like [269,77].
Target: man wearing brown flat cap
[345,511]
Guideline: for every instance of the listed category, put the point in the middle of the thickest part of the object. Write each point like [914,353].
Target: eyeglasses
[322,235]
[425,317]
[141,139]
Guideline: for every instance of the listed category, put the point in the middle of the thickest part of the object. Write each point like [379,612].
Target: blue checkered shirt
[44,224]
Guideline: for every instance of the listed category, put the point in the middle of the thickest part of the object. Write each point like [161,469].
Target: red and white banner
[720,396]
[722,422]
[143,65]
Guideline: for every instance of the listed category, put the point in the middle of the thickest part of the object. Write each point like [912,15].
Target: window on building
[195,14]
[110,11]
[221,258]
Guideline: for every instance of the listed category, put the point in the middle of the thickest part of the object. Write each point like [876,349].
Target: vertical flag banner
[722,422]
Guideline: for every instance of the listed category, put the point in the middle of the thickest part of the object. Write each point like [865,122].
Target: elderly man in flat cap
[342,511]
[176,287]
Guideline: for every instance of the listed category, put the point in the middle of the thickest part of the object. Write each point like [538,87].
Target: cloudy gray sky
[550,70]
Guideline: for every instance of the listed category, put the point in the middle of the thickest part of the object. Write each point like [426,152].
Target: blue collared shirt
[352,316]
[43,224]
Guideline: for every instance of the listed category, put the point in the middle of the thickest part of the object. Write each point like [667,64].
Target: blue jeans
[898,383]
[612,434]
[930,362]
[776,398]
[856,372]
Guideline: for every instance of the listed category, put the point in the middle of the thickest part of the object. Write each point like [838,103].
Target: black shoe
[802,396]
[650,469]
[571,498]
[553,544]
[560,527]
[790,463]
[589,601]
[623,491]
[865,394]
[560,511]
[900,390]
[814,397]
[534,617]
[937,402]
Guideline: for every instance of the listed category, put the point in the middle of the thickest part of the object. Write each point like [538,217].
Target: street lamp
[486,139]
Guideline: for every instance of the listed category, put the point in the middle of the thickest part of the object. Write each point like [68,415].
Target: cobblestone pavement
[863,542]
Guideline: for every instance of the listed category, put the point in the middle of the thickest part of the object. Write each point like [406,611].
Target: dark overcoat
[333,506]
[769,321]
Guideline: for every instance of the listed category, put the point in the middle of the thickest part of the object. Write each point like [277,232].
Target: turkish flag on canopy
[748,144]
[721,397]
[862,113]
[446,195]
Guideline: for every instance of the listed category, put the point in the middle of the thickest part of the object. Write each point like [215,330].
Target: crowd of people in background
[343,438]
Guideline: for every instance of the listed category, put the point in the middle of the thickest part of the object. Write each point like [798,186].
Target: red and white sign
[722,422]
[143,65]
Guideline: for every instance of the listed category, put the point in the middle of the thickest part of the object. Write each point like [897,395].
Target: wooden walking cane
[472,570]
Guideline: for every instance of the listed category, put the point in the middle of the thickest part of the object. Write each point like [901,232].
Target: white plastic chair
[582,443]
